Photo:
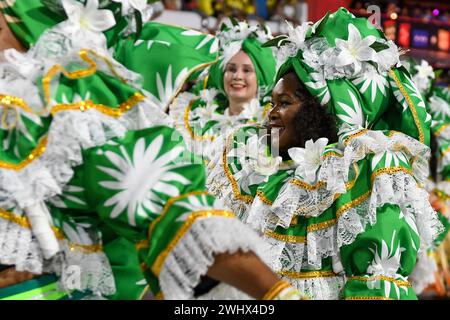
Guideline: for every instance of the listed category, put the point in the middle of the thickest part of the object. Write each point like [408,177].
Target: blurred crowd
[291,10]
[412,9]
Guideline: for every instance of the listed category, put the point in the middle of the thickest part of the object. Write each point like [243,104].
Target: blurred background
[421,27]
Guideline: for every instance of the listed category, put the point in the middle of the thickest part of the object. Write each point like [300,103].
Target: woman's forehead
[241,58]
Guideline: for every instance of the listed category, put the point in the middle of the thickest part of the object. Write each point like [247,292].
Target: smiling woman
[345,214]
[232,92]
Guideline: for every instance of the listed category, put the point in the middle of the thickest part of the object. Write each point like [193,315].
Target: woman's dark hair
[312,120]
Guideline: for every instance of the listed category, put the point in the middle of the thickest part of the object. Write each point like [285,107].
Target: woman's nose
[273,114]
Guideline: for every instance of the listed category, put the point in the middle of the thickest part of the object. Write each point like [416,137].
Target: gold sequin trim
[392,170]
[321,225]
[441,129]
[382,277]
[36,153]
[169,203]
[113,112]
[368,298]
[229,174]
[188,127]
[266,110]
[284,237]
[276,289]
[332,154]
[354,135]
[158,264]
[6,100]
[86,248]
[352,204]
[305,185]
[143,244]
[23,222]
[411,105]
[308,274]
[444,153]
[159,296]
[442,195]
[263,198]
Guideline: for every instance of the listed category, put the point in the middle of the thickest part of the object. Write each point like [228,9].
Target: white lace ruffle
[321,288]
[224,292]
[193,254]
[423,274]
[76,269]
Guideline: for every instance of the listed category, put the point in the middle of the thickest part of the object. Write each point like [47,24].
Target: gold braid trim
[188,127]
[143,244]
[305,185]
[263,198]
[112,112]
[308,274]
[159,296]
[266,110]
[167,206]
[34,154]
[410,104]
[352,204]
[446,150]
[382,277]
[352,136]
[284,237]
[276,289]
[23,222]
[159,262]
[368,298]
[442,195]
[442,128]
[392,170]
[321,225]
[229,174]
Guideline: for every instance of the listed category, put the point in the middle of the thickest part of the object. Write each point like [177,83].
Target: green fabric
[389,110]
[262,59]
[31,18]
[166,57]
[44,287]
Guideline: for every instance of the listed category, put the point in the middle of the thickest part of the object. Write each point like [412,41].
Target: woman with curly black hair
[297,116]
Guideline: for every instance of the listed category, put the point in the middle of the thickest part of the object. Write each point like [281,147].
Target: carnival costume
[344,220]
[87,157]
[202,114]
[432,264]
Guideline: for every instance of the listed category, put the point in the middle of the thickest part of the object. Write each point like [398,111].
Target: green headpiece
[241,36]
[29,19]
[352,68]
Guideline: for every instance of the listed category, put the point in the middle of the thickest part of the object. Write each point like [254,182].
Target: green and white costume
[344,220]
[202,114]
[438,104]
[87,158]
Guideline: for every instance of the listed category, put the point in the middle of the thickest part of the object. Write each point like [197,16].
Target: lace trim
[19,247]
[193,254]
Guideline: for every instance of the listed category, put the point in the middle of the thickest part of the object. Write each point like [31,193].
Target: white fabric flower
[423,76]
[297,35]
[88,17]
[130,5]
[251,110]
[309,159]
[388,58]
[355,50]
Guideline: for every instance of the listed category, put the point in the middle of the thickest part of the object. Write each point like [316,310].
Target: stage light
[394,16]
[436,12]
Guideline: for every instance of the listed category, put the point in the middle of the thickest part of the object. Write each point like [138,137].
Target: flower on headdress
[423,76]
[251,110]
[355,50]
[130,5]
[389,57]
[297,35]
[88,17]
[309,159]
